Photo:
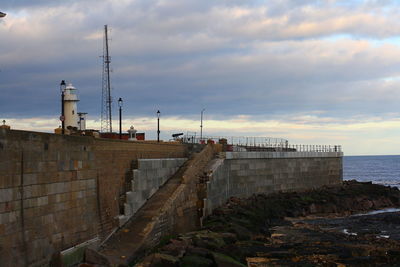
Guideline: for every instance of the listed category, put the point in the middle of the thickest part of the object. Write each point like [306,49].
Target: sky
[313,72]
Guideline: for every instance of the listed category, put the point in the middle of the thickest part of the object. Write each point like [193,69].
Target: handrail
[236,140]
[243,143]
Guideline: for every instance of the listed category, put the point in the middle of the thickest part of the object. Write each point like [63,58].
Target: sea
[383,170]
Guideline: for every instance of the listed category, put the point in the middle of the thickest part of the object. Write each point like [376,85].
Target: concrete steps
[121,247]
[149,176]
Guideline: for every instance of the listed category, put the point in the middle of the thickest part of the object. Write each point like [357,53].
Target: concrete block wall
[242,174]
[150,175]
[59,191]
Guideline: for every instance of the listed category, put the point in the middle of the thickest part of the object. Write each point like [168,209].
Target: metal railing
[243,143]
[289,148]
[238,140]
[315,148]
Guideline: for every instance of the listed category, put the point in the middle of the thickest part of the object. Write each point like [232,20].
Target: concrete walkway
[124,245]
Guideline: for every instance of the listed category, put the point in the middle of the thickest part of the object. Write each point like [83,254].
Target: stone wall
[241,174]
[149,176]
[58,191]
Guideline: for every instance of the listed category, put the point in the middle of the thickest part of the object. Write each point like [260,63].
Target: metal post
[62,118]
[120,102]
[158,126]
[120,122]
[62,113]
[201,124]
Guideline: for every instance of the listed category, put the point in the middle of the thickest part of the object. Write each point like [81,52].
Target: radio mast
[106,124]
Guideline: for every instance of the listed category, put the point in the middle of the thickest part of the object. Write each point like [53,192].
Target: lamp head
[62,86]
[120,102]
[158,114]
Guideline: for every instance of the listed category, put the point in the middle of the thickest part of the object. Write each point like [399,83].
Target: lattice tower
[106,123]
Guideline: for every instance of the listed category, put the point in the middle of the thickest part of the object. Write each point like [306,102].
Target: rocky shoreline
[293,229]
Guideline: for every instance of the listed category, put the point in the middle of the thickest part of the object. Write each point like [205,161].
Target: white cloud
[373,135]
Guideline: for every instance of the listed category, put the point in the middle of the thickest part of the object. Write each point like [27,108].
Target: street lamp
[201,124]
[158,126]
[120,102]
[62,117]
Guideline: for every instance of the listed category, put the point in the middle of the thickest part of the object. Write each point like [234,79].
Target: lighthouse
[70,106]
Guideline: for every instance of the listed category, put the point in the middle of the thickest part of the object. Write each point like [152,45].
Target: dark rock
[313,208]
[196,261]
[198,242]
[241,232]
[175,248]
[280,254]
[395,254]
[202,252]
[259,227]
[223,260]
[229,237]
[360,261]
[160,260]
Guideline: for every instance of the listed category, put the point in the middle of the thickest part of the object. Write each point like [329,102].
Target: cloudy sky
[313,72]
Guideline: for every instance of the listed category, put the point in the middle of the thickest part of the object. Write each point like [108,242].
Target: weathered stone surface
[69,186]
[94,257]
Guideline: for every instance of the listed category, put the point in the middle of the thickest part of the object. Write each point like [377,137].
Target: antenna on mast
[106,124]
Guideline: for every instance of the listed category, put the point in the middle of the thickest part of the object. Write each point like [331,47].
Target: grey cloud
[20,4]
[181,56]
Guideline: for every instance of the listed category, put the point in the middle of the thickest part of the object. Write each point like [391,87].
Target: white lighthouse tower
[70,106]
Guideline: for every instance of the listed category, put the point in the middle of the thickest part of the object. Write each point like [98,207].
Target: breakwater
[242,174]
[58,192]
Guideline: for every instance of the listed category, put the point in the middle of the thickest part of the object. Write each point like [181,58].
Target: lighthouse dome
[70,93]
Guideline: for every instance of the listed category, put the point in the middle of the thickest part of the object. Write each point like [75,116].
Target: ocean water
[378,169]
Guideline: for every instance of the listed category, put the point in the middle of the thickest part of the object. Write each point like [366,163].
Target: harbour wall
[58,191]
[242,174]
[211,178]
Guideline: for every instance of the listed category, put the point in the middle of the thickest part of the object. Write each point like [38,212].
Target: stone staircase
[147,178]
[173,208]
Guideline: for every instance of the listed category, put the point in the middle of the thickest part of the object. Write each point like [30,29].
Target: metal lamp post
[201,124]
[62,117]
[158,125]
[120,102]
